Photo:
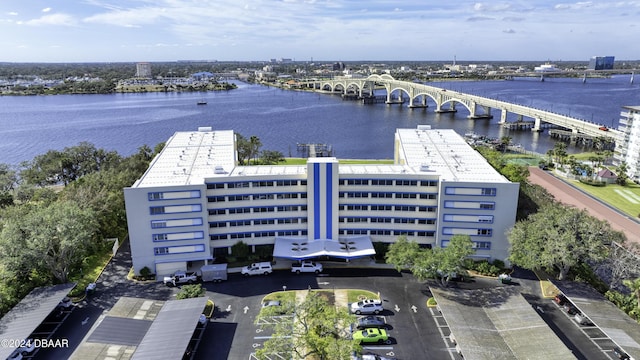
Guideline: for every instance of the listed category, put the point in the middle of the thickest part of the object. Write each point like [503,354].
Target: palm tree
[255,145]
[504,142]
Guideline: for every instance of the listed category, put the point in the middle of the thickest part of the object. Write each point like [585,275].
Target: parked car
[271,303]
[370,321]
[355,356]
[65,304]
[620,353]
[371,336]
[560,299]
[367,307]
[261,268]
[582,319]
[570,309]
[306,267]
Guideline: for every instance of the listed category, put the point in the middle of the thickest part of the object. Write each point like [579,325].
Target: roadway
[569,195]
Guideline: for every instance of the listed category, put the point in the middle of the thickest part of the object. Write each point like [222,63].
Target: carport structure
[497,323]
[28,314]
[142,329]
[619,329]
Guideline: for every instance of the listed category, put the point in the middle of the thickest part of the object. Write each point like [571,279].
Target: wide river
[32,125]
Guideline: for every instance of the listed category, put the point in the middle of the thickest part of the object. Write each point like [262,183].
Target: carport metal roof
[613,322]
[29,313]
[498,323]
[299,249]
[170,333]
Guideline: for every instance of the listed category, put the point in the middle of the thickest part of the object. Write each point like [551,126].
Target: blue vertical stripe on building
[329,201]
[316,201]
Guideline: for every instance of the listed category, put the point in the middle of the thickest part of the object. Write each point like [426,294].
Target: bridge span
[446,101]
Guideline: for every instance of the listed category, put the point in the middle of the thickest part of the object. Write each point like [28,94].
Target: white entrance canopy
[300,249]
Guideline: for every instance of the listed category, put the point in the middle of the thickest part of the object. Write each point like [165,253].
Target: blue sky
[347,30]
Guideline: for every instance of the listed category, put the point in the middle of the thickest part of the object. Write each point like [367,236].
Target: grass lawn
[91,269]
[623,198]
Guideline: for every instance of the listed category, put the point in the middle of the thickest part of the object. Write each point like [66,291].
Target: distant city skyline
[302,30]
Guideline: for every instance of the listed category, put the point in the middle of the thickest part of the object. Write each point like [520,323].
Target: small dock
[315,150]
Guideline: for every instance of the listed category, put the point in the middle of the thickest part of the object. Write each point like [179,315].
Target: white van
[261,268]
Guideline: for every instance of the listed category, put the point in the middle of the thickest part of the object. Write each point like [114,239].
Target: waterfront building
[195,202]
[143,70]
[547,68]
[601,63]
[628,143]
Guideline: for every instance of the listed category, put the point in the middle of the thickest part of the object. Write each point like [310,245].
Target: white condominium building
[195,202]
[628,144]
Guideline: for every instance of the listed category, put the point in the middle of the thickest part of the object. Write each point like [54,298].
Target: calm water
[32,125]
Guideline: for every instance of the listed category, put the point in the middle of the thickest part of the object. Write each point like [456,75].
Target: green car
[371,335]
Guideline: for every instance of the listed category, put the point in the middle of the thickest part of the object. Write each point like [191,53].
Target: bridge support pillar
[537,125]
[503,116]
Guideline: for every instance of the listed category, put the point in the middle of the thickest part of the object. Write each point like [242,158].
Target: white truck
[306,267]
[181,278]
[214,272]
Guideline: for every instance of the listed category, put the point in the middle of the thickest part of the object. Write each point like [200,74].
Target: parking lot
[417,332]
[412,328]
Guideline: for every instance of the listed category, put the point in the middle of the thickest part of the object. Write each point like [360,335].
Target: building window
[428,196]
[407,182]
[242,210]
[215,186]
[262,183]
[382,195]
[215,199]
[481,245]
[174,195]
[451,190]
[174,209]
[169,250]
[468,218]
[357,182]
[238,185]
[382,182]
[429,183]
[157,224]
[469,205]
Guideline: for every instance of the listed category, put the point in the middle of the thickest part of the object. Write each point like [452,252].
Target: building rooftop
[446,153]
[191,157]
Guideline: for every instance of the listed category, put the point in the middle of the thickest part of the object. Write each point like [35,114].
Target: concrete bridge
[398,92]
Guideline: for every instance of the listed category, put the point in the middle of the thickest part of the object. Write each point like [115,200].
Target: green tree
[621,172]
[51,240]
[191,291]
[254,145]
[505,141]
[559,237]
[438,262]
[515,172]
[319,330]
[271,157]
[244,149]
[8,178]
[240,250]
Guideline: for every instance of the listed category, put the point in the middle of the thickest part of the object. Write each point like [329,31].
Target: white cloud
[12,13]
[53,19]
[46,9]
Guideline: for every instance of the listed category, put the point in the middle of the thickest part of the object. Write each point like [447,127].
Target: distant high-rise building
[601,63]
[628,144]
[143,70]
